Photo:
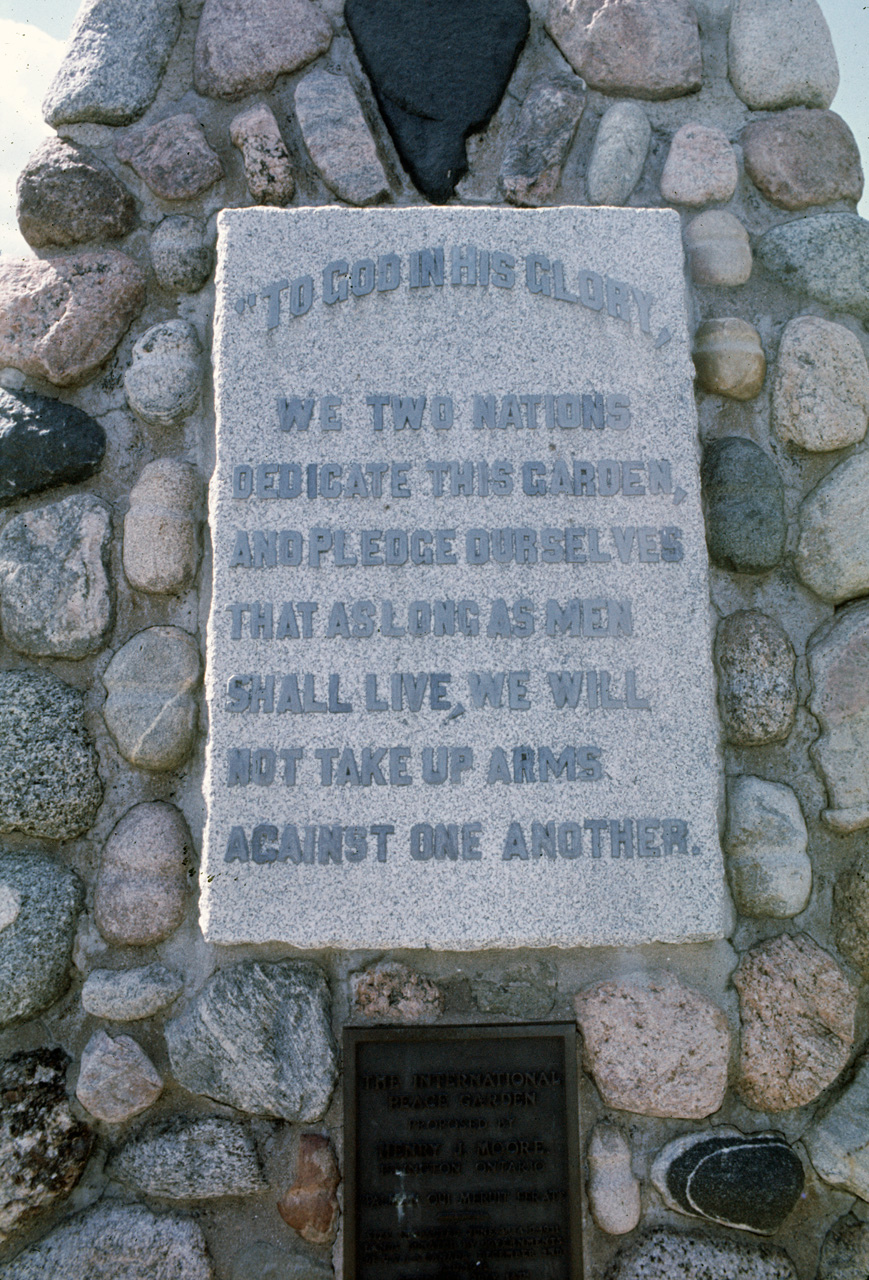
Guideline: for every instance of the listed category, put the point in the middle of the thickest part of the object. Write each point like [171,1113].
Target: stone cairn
[168,1109]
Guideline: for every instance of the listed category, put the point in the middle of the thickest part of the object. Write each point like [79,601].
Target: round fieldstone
[765,842]
[744,497]
[67,196]
[117,1079]
[541,138]
[729,358]
[141,886]
[832,555]
[45,442]
[49,785]
[268,169]
[128,995]
[242,46]
[41,901]
[613,1191]
[700,167]
[150,710]
[803,157]
[663,1254]
[845,1251]
[851,913]
[826,256]
[619,154]
[836,1143]
[202,1159]
[820,393]
[718,249]
[757,692]
[55,593]
[172,156]
[310,1205]
[838,655]
[161,528]
[780,54]
[182,254]
[162,383]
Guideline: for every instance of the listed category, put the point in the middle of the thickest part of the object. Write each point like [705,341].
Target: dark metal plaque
[462,1153]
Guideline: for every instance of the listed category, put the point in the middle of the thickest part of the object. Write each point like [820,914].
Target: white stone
[700,167]
[458,341]
[838,1145]
[765,843]
[619,153]
[161,528]
[780,54]
[820,394]
[162,383]
[718,249]
[832,555]
[10,905]
[613,1191]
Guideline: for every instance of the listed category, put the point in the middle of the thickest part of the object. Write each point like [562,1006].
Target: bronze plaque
[462,1153]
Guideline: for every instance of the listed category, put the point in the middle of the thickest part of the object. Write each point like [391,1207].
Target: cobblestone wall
[170,1108]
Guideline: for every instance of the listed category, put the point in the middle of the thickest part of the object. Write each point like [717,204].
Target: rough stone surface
[832,555]
[620,149]
[55,594]
[718,249]
[161,528]
[838,654]
[142,881]
[538,146]
[729,359]
[162,382]
[745,518]
[838,1144]
[655,1046]
[748,1181]
[172,156]
[820,394]
[49,785]
[765,842]
[268,169]
[60,319]
[127,995]
[803,157]
[780,54]
[43,1147]
[67,196]
[757,693]
[45,442]
[674,1255]
[433,88]
[117,1079]
[390,992]
[638,48]
[310,1206]
[845,1252]
[117,1242]
[151,710]
[851,913]
[613,1191]
[242,46]
[276,1018]
[42,901]
[191,1160]
[826,256]
[797,1010]
[114,61]
[700,168]
[522,991]
[181,254]
[264,1261]
[338,139]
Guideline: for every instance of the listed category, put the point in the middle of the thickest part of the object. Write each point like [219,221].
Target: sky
[32,35]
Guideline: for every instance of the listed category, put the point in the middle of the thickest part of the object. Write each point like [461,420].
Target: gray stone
[114,61]
[780,54]
[634,48]
[745,519]
[49,785]
[541,138]
[845,1252]
[161,528]
[338,139]
[43,1147]
[820,394]
[765,843]
[729,358]
[851,913]
[41,903]
[141,886]
[117,1079]
[757,693]
[163,381]
[522,991]
[127,995]
[172,156]
[802,157]
[838,1143]
[273,1017]
[390,992]
[263,1261]
[700,167]
[191,1160]
[838,654]
[826,256]
[117,1242]
[182,254]
[151,709]
[663,1254]
[620,149]
[67,196]
[832,555]
[55,593]
[718,249]
[613,1191]
[242,46]
[268,169]
[45,442]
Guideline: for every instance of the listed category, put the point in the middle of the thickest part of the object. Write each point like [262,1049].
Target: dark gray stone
[845,1252]
[757,693]
[45,442]
[535,154]
[826,257]
[49,784]
[524,991]
[40,901]
[67,196]
[191,1160]
[673,1255]
[273,1018]
[744,495]
[182,254]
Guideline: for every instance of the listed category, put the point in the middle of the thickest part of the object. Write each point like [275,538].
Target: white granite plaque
[459,676]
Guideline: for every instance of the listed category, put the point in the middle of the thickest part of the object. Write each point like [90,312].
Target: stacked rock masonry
[173,1109]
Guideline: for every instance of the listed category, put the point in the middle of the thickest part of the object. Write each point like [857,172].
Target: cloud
[28,60]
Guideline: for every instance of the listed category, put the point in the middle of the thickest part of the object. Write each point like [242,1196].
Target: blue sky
[32,33]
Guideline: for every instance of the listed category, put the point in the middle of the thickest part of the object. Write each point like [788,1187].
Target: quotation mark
[249,300]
